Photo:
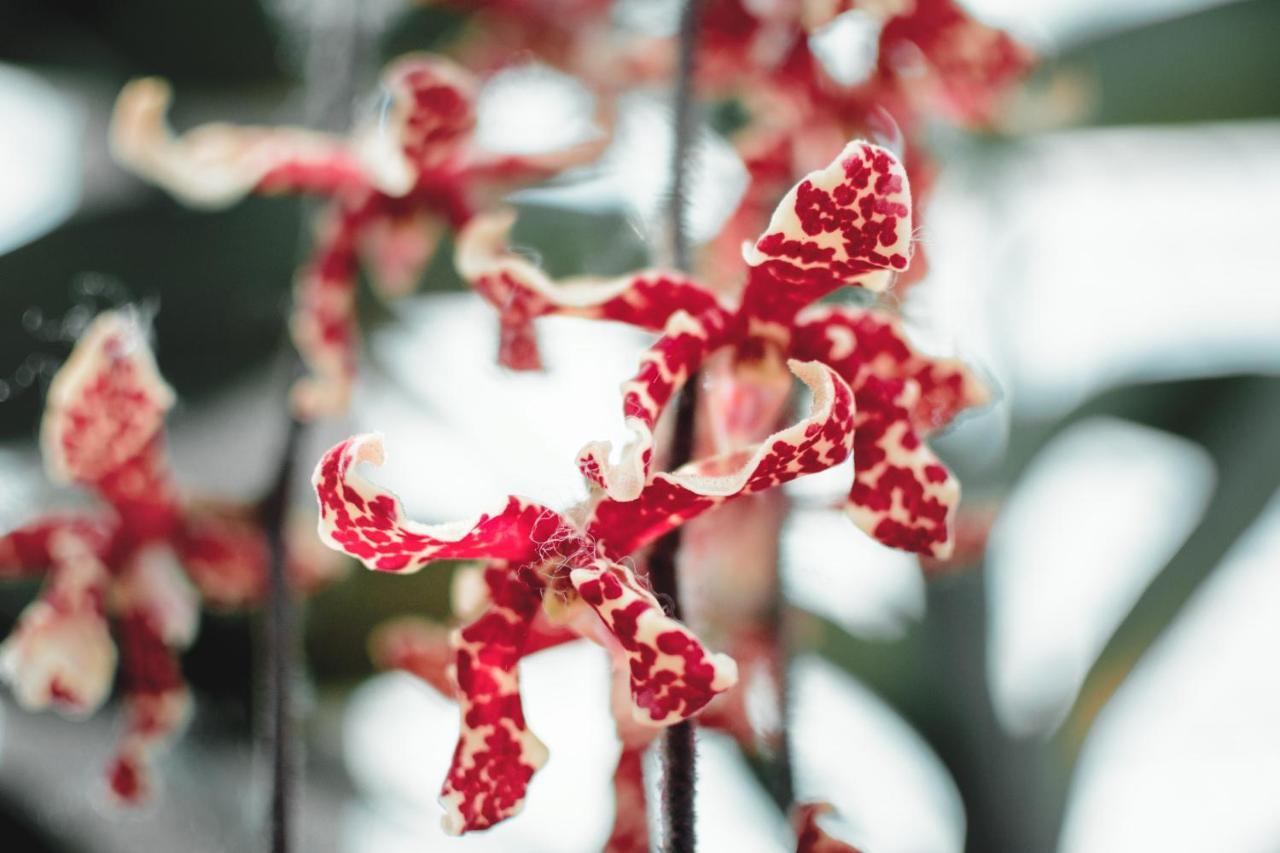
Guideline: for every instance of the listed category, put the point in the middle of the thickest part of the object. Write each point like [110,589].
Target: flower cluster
[849,224]
[757,313]
[393,188]
[124,581]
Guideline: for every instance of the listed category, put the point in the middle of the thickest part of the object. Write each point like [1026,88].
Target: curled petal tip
[849,223]
[625,480]
[672,675]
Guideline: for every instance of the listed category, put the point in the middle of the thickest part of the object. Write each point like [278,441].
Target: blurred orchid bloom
[543,561]
[930,58]
[849,224]
[393,187]
[571,35]
[927,59]
[129,576]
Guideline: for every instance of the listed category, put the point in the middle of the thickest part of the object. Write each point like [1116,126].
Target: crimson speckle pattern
[496,754]
[902,494]
[847,224]
[535,553]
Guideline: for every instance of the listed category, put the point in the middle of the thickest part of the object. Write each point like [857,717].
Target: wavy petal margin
[367,522]
[849,223]
[820,441]
[902,494]
[60,653]
[106,403]
[215,165]
[496,755]
[431,114]
[860,343]
[521,292]
[672,675]
[686,343]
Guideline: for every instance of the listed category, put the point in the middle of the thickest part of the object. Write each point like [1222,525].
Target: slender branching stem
[273,515]
[678,748]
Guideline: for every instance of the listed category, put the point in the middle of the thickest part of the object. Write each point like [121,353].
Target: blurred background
[1100,678]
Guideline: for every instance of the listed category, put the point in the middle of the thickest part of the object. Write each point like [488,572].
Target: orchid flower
[543,560]
[846,225]
[393,187]
[423,649]
[123,582]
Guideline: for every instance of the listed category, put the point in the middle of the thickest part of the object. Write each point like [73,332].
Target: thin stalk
[273,515]
[330,34]
[679,751]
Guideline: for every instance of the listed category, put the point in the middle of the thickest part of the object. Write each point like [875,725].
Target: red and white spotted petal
[323,322]
[368,522]
[27,551]
[106,404]
[60,654]
[819,441]
[521,292]
[811,836]
[416,646]
[153,719]
[672,675]
[496,755]
[224,553]
[215,165]
[861,343]
[849,223]
[157,703]
[430,118]
[686,343]
[902,495]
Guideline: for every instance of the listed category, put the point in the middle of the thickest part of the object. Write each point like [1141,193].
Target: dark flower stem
[333,43]
[273,515]
[679,754]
